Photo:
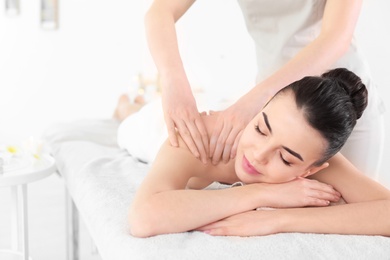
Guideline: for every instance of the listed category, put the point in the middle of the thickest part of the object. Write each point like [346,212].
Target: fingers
[171,132]
[221,144]
[321,194]
[328,196]
[235,145]
[217,232]
[194,135]
[215,229]
[229,145]
[203,144]
[226,146]
[186,135]
[314,193]
[214,136]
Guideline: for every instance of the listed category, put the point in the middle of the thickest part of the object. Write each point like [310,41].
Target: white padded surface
[102,180]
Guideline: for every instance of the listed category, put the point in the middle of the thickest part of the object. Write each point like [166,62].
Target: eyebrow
[266,122]
[293,153]
[284,147]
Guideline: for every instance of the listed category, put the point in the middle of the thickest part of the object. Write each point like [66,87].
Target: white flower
[33,147]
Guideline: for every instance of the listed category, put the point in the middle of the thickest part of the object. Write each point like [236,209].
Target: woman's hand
[250,223]
[302,192]
[181,113]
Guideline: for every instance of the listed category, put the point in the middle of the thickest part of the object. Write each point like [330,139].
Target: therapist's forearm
[163,45]
[314,59]
[366,218]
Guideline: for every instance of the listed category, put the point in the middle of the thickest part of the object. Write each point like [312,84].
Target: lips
[248,167]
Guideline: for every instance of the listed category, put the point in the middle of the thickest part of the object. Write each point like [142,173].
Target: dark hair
[331,104]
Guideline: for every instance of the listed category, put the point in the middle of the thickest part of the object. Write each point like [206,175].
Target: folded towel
[142,133]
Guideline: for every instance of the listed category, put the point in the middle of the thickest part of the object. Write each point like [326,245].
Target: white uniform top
[281,28]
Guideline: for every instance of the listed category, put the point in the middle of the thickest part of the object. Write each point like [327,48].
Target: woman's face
[278,145]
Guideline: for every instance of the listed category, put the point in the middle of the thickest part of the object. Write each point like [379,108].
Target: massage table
[101,180]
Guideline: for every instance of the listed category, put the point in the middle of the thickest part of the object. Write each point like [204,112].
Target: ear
[315,169]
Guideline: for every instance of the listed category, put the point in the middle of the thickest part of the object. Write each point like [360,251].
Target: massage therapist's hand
[229,127]
[181,113]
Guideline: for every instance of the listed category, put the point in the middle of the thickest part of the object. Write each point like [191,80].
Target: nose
[261,155]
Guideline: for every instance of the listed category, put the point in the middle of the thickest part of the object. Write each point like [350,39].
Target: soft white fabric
[102,180]
[143,133]
[365,146]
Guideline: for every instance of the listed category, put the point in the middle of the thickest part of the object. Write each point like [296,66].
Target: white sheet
[102,180]
[142,134]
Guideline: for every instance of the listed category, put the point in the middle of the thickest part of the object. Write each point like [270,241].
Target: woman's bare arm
[366,213]
[163,205]
[367,210]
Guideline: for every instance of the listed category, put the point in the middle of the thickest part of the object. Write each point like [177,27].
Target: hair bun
[352,85]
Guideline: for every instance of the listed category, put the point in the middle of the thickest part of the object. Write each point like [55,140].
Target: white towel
[143,133]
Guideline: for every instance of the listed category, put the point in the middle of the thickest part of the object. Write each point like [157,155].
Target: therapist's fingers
[195,136]
[220,143]
[235,145]
[214,136]
[205,139]
[204,146]
[199,137]
[186,135]
[171,132]
[229,143]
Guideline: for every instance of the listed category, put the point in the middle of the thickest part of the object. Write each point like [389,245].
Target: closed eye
[284,161]
[258,130]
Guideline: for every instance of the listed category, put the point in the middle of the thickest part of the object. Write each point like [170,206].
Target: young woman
[293,39]
[287,158]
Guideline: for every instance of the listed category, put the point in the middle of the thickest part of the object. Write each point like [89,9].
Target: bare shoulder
[173,167]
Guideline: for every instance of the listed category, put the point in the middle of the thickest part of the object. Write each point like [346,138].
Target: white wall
[79,70]
[372,32]
[74,72]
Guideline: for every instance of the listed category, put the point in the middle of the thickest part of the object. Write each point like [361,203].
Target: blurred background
[78,68]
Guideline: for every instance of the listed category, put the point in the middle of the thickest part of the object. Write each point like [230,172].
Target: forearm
[337,29]
[163,45]
[366,218]
[314,59]
[184,210]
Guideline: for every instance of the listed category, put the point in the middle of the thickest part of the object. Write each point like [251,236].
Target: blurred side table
[17,175]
